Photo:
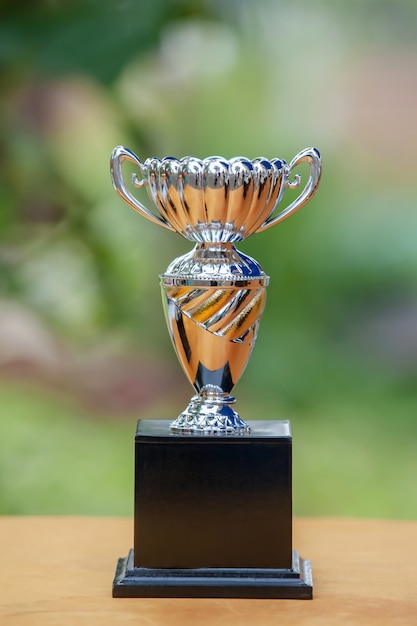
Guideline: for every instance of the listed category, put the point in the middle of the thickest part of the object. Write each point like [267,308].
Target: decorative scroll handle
[119,155]
[311,156]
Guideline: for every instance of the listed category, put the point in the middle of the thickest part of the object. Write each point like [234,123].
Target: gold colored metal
[214,296]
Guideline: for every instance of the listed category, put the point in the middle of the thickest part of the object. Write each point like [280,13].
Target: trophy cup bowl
[214,295]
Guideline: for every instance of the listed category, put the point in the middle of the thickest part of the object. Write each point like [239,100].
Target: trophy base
[141,582]
[213,516]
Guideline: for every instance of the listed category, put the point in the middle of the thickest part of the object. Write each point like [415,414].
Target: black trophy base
[140,582]
[213,516]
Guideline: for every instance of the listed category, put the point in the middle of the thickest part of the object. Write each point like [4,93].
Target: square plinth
[213,516]
[213,501]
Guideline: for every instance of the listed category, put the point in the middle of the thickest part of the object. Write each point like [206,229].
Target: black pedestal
[213,516]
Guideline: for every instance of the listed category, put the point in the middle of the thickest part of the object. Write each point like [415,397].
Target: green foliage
[336,351]
[57,460]
[92,37]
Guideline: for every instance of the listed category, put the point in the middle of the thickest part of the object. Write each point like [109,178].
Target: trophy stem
[210,414]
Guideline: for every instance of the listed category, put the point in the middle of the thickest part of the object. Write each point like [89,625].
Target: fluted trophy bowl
[214,295]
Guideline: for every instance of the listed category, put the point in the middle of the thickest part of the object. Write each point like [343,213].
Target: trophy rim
[213,158]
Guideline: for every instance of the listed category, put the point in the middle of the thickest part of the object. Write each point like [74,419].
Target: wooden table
[59,570]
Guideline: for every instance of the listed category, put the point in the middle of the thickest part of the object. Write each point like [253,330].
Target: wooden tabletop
[59,571]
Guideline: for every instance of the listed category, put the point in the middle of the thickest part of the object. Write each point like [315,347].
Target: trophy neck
[215,264]
[216,251]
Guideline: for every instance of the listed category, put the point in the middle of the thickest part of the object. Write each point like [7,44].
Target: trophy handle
[311,156]
[119,155]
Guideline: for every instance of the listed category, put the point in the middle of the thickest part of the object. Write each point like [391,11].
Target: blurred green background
[84,350]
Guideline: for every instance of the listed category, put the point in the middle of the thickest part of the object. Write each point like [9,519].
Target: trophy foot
[210,415]
[292,583]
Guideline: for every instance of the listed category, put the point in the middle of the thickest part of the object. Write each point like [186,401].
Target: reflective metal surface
[213,300]
[214,296]
[215,200]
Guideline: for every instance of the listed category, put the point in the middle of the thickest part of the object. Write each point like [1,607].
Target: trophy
[213,499]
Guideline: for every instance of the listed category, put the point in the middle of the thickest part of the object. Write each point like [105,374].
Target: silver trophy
[214,296]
